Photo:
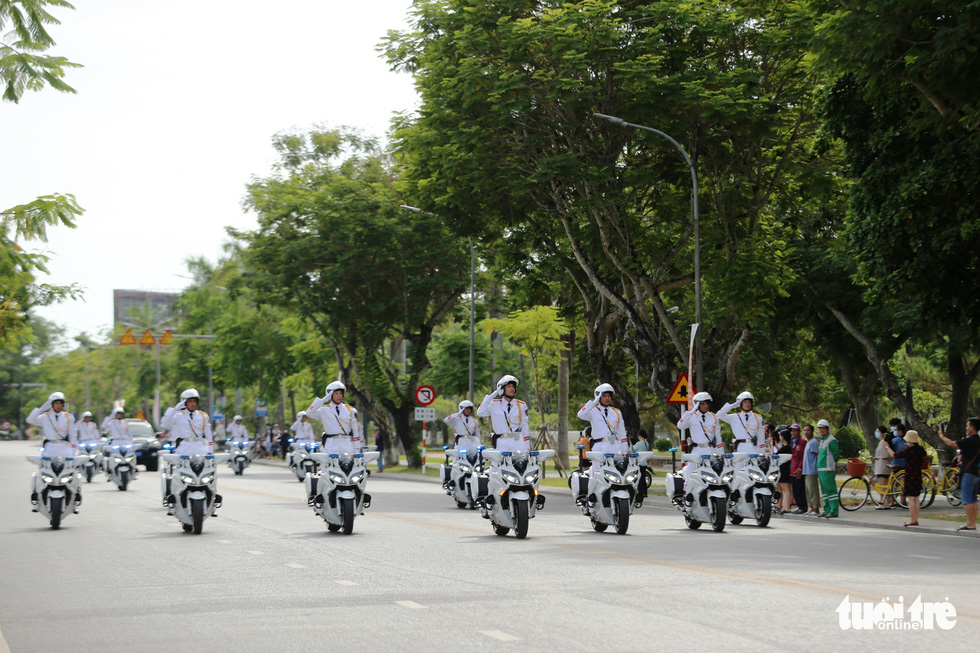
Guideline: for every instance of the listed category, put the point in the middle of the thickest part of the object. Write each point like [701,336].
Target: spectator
[283,440]
[915,460]
[379,442]
[785,489]
[810,480]
[268,441]
[796,470]
[584,441]
[898,444]
[640,446]
[969,470]
[880,462]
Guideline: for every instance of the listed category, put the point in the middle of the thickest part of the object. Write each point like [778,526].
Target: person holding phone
[969,473]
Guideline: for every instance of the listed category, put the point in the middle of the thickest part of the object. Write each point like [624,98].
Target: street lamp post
[697,232]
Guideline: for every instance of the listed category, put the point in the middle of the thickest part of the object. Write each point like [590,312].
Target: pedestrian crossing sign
[682,391]
[127,338]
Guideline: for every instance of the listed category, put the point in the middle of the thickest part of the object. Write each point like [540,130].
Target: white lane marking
[257,553]
[822,544]
[293,565]
[3,644]
[224,541]
[914,555]
[410,604]
[350,583]
[501,635]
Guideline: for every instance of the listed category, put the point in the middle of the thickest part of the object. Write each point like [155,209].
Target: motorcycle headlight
[116,459]
[465,468]
[187,480]
[337,478]
[757,476]
[727,478]
[531,478]
[510,477]
[356,478]
[631,477]
[612,477]
[709,477]
[207,478]
[47,479]
[66,478]
[773,477]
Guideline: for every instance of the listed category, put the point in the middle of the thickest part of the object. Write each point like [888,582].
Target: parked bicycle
[862,487]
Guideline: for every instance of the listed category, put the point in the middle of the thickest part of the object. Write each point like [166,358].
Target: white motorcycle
[55,486]
[752,490]
[193,486]
[616,491]
[512,498]
[301,461]
[463,474]
[91,449]
[337,493]
[705,500]
[240,452]
[121,464]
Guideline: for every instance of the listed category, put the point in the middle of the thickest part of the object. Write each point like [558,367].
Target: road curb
[887,527]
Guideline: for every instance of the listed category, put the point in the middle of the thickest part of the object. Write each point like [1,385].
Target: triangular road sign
[166,338]
[127,338]
[682,391]
[148,338]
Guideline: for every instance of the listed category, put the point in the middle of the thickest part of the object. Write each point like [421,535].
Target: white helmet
[237,418]
[336,385]
[745,395]
[605,387]
[189,393]
[56,396]
[823,423]
[507,378]
[119,409]
[301,414]
[701,396]
[465,404]
[86,414]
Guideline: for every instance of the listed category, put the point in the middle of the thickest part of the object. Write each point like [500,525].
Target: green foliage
[851,442]
[662,444]
[23,67]
[450,355]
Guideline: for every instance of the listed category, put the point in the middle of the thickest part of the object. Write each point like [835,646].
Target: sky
[175,110]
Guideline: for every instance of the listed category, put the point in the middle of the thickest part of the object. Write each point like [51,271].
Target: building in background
[160,305]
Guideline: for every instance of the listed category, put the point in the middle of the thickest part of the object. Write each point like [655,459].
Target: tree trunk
[402,418]
[861,393]
[561,459]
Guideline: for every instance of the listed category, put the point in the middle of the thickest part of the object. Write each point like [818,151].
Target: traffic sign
[261,409]
[139,415]
[425,395]
[425,414]
[127,338]
[681,392]
[166,338]
[148,338]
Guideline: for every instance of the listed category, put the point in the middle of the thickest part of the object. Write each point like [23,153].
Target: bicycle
[948,485]
[855,492]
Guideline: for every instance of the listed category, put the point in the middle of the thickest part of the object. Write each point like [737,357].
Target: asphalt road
[418,574]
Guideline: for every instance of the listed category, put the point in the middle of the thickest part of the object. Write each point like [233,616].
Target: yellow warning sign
[167,338]
[681,392]
[147,338]
[139,415]
[127,338]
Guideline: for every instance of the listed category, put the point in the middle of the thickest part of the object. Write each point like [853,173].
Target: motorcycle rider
[60,436]
[704,430]
[304,433]
[466,426]
[748,427]
[237,430]
[190,430]
[509,424]
[341,433]
[608,430]
[118,433]
[88,430]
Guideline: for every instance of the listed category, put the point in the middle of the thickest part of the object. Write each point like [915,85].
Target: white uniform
[118,429]
[608,428]
[466,429]
[88,431]
[508,420]
[237,432]
[192,429]
[60,433]
[303,431]
[706,433]
[339,422]
[747,428]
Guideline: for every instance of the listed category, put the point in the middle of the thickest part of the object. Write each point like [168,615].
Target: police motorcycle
[193,487]
[706,498]
[752,489]
[616,493]
[512,490]
[92,450]
[55,486]
[120,463]
[301,461]
[463,475]
[240,455]
[337,493]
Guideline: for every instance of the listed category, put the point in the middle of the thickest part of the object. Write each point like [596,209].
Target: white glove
[46,406]
[498,392]
[181,405]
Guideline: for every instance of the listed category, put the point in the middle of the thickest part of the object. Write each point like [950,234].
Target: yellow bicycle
[857,491]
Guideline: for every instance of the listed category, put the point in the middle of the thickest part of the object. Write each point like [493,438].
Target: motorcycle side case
[674,484]
[579,481]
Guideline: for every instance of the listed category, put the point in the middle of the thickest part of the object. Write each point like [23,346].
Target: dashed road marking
[224,541]
[293,565]
[501,635]
[410,604]
[350,583]
[914,555]
[257,553]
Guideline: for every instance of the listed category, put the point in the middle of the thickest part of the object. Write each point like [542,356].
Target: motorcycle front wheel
[521,520]
[347,508]
[89,473]
[763,512]
[197,515]
[622,516]
[56,504]
[718,515]
[123,480]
